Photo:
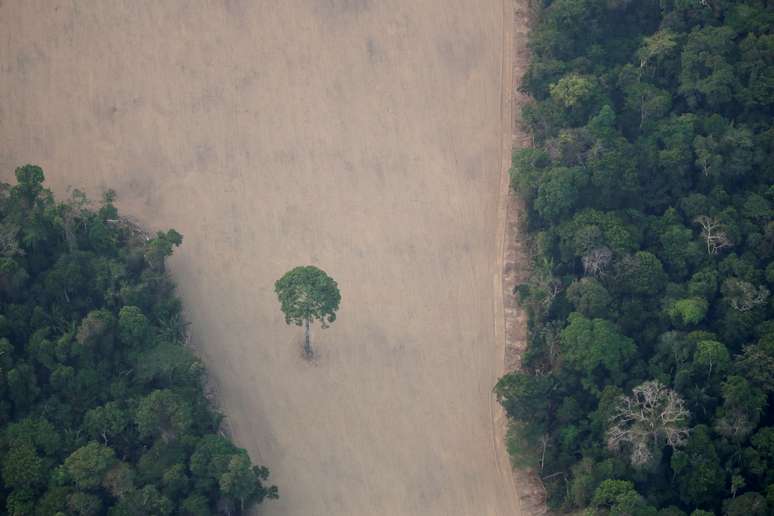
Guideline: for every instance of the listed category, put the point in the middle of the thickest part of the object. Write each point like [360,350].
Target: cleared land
[361,136]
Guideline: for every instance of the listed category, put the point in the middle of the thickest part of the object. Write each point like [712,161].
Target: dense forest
[102,406]
[647,384]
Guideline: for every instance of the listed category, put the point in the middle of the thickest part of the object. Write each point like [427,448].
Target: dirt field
[362,136]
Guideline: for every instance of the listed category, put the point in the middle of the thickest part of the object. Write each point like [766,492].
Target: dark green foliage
[102,409]
[650,213]
[307,294]
[595,351]
[619,498]
[699,476]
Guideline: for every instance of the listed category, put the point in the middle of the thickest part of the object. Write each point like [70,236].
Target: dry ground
[361,136]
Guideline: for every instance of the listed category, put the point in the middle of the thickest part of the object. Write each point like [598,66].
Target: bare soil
[365,137]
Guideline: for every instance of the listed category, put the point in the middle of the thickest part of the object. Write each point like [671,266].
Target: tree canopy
[308,294]
[647,381]
[102,405]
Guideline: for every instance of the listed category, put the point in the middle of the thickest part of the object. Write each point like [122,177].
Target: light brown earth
[366,137]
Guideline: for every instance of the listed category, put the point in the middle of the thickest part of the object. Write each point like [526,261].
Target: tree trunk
[307,345]
[544,440]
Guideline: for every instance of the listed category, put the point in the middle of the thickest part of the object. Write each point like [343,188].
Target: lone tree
[307,294]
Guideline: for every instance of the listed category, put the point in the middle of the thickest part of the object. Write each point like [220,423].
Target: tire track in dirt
[512,266]
[499,420]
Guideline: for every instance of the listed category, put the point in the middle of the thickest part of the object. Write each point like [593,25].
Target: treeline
[648,379]
[102,407]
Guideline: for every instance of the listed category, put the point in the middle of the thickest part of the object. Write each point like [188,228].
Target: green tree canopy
[649,212]
[102,406]
[596,349]
[699,474]
[163,413]
[89,464]
[308,294]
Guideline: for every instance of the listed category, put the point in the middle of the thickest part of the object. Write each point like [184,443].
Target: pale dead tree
[596,261]
[587,238]
[643,423]
[132,228]
[549,287]
[9,245]
[744,296]
[543,285]
[713,234]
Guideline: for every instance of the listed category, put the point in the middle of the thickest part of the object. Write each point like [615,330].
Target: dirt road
[362,136]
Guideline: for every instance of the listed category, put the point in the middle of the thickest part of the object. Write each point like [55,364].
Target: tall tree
[596,350]
[308,294]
